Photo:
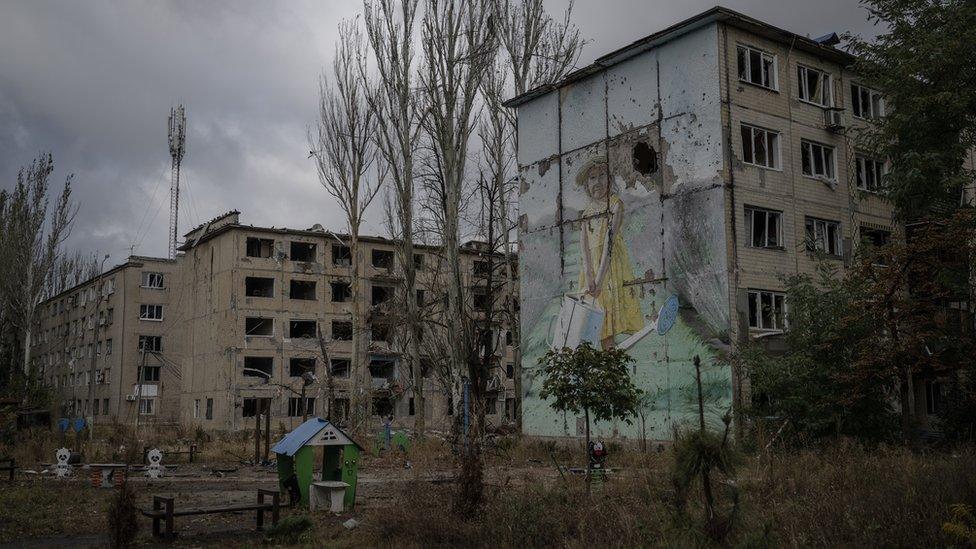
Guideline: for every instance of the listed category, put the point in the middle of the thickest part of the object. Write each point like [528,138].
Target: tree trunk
[362,387]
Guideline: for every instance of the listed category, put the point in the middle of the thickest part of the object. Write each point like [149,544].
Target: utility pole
[139,376]
[177,142]
[89,406]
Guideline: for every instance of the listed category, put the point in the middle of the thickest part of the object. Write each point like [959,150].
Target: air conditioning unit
[834,118]
[130,398]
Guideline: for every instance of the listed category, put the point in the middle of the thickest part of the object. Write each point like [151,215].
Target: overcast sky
[93,82]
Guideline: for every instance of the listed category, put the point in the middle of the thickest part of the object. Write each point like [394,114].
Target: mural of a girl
[606,264]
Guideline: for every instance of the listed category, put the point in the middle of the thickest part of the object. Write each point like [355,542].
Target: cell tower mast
[177,142]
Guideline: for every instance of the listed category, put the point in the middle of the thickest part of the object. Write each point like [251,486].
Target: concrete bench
[164,509]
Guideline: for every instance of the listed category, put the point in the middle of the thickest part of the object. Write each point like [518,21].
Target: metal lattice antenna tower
[177,142]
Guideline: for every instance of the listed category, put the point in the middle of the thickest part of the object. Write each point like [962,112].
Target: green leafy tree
[592,382]
[924,63]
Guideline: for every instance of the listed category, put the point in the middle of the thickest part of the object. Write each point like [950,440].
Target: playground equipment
[340,461]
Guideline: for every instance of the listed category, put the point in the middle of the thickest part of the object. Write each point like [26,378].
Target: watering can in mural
[578,320]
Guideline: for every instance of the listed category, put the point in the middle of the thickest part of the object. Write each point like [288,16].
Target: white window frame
[772,74]
[771,143]
[756,300]
[864,166]
[826,98]
[751,212]
[821,236]
[146,312]
[147,406]
[830,166]
[857,103]
[153,280]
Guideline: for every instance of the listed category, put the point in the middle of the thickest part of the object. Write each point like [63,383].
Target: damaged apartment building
[244,312]
[711,158]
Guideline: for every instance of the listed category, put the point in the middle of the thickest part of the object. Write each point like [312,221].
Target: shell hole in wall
[645,158]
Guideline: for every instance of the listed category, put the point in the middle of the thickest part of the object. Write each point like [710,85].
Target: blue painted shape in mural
[79,424]
[668,316]
[63,424]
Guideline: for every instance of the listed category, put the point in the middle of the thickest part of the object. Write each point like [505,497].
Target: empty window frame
[510,371]
[341,330]
[382,259]
[480,299]
[866,103]
[869,172]
[302,329]
[297,366]
[340,367]
[760,147]
[152,280]
[147,406]
[823,236]
[258,326]
[480,268]
[380,332]
[249,407]
[259,247]
[150,373]
[209,409]
[302,289]
[302,251]
[764,228]
[418,261]
[341,291]
[152,344]
[255,286]
[295,408]
[757,67]
[151,312]
[258,366]
[767,310]
[380,294]
[814,86]
[875,237]
[341,255]
[817,160]
[382,368]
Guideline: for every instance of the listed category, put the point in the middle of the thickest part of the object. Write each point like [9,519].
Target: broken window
[341,412]
[341,255]
[382,368]
[870,172]
[209,409]
[380,294]
[510,371]
[380,331]
[152,280]
[340,367]
[875,239]
[817,160]
[249,407]
[298,366]
[757,67]
[382,259]
[295,408]
[258,286]
[147,406]
[302,289]
[302,251]
[814,86]
[760,147]
[341,330]
[644,158]
[764,228]
[410,407]
[509,409]
[767,310]
[420,298]
[302,329]
[258,366]
[258,326]
[823,236]
[418,261]
[341,292]
[152,344]
[866,103]
[150,312]
[382,406]
[480,297]
[480,268]
[259,247]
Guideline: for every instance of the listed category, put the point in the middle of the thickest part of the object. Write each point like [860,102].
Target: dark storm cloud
[93,82]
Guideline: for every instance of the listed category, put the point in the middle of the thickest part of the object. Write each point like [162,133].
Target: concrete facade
[698,214]
[235,304]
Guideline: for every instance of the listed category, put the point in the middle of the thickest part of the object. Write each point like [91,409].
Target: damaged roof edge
[716,14]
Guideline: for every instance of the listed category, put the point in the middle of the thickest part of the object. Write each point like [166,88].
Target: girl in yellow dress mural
[605,261]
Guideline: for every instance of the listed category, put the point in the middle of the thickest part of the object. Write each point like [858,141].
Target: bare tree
[458,46]
[344,151]
[31,236]
[390,31]
[536,50]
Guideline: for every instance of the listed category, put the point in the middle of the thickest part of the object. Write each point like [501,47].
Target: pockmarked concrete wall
[622,233]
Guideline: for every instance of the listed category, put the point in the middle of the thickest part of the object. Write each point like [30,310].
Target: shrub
[122,516]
